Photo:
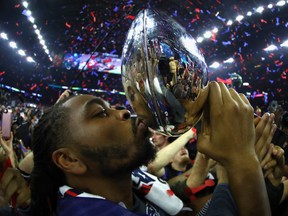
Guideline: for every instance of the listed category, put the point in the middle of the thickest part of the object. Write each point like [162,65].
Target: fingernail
[271,118]
[265,116]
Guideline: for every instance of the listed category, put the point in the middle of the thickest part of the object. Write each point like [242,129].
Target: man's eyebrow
[93,101]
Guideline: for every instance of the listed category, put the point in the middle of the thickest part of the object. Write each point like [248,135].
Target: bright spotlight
[42,42]
[270,6]
[30,59]
[31,19]
[229,23]
[4,36]
[260,9]
[25,4]
[214,65]
[28,12]
[249,13]
[230,60]
[215,30]
[271,48]
[200,39]
[280,3]
[239,18]
[284,44]
[13,44]
[21,52]
[207,34]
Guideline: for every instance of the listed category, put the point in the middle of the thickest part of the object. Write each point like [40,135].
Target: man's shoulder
[76,206]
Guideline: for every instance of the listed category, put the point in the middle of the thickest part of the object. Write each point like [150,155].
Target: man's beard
[116,161]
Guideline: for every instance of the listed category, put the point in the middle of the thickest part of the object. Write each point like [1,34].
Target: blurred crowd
[195,178]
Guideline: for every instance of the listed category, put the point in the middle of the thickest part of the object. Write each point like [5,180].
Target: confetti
[72,31]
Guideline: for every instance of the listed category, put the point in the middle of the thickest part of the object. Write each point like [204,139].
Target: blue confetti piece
[247,34]
[175,14]
[221,18]
[115,9]
[277,21]
[226,43]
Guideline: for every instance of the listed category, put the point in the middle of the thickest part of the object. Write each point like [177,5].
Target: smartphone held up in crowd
[6,123]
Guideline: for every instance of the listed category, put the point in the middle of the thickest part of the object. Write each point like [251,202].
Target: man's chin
[145,154]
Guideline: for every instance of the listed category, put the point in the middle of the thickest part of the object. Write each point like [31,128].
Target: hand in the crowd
[12,184]
[7,145]
[200,170]
[265,130]
[274,164]
[270,156]
[228,131]
[64,95]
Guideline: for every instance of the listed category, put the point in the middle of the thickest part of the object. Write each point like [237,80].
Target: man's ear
[68,161]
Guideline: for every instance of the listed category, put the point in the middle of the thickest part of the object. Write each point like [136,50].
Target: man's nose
[124,114]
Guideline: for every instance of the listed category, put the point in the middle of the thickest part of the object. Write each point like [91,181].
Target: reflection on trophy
[163,73]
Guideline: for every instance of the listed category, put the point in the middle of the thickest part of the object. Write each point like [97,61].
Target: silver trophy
[163,73]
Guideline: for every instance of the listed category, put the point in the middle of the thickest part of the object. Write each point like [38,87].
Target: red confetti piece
[190,2]
[67,25]
[33,87]
[258,95]
[193,20]
[93,15]
[213,38]
[263,21]
[130,17]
